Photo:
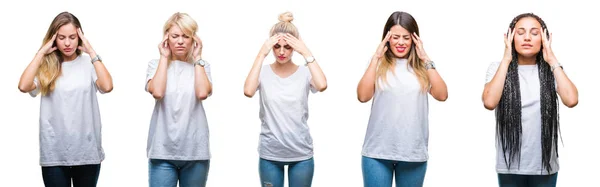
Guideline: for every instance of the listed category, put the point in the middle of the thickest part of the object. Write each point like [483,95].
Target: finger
[52,49]
[550,39]
[512,34]
[54,37]
[81,48]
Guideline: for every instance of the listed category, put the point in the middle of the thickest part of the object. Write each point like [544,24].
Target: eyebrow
[401,35]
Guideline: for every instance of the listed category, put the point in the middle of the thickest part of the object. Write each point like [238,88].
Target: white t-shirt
[178,128]
[70,127]
[398,126]
[531,125]
[285,135]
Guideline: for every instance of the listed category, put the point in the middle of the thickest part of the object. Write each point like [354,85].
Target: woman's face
[528,37]
[179,43]
[282,51]
[67,40]
[400,42]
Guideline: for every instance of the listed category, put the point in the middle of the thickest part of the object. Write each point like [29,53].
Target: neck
[526,60]
[180,58]
[69,58]
[287,65]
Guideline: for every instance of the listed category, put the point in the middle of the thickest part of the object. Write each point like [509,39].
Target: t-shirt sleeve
[207,69]
[491,72]
[152,66]
[36,91]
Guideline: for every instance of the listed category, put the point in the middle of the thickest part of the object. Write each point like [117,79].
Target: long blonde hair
[285,25]
[50,69]
[387,63]
[187,25]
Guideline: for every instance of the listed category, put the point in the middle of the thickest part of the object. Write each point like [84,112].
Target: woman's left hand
[197,52]
[419,47]
[85,46]
[547,50]
[297,44]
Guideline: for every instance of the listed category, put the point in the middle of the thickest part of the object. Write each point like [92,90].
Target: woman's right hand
[48,48]
[508,39]
[163,47]
[382,48]
[268,45]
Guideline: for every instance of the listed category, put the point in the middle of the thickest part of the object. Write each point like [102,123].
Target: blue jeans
[61,176]
[513,180]
[300,173]
[380,172]
[166,173]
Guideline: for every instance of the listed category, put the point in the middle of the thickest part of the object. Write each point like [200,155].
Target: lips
[281,57]
[68,49]
[180,48]
[527,45]
[400,49]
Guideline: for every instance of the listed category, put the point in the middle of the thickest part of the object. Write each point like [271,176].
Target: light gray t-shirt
[178,128]
[285,135]
[70,127]
[531,125]
[398,126]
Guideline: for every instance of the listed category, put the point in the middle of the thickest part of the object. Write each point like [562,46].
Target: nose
[402,41]
[527,37]
[281,50]
[180,40]
[67,43]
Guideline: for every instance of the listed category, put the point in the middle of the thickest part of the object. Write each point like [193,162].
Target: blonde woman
[284,88]
[398,79]
[70,125]
[178,146]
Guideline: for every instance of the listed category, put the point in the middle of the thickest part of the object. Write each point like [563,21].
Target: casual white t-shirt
[178,128]
[285,135]
[531,125]
[398,126]
[70,126]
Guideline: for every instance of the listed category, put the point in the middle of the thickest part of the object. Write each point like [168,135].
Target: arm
[251,84]
[318,81]
[104,81]
[438,90]
[202,85]
[566,89]
[366,86]
[26,83]
[492,91]
[158,84]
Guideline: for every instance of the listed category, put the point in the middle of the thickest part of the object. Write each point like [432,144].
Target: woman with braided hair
[523,89]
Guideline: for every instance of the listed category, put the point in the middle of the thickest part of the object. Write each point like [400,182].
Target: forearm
[104,81]
[158,84]
[565,88]
[318,77]
[251,83]
[26,83]
[493,90]
[438,90]
[202,85]
[366,86]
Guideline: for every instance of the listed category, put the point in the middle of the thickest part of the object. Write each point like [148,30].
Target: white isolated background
[462,37]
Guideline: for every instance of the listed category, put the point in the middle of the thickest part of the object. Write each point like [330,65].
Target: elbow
[489,105]
[249,93]
[23,88]
[107,89]
[201,95]
[572,103]
[442,97]
[322,88]
[363,99]
[157,95]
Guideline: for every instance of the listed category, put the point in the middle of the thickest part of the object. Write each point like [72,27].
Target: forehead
[175,30]
[527,23]
[68,29]
[282,42]
[399,30]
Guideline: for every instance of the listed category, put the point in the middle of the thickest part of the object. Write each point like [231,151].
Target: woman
[398,78]
[523,88]
[285,138]
[70,125]
[178,146]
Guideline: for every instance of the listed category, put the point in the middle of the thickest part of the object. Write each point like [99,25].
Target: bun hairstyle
[285,25]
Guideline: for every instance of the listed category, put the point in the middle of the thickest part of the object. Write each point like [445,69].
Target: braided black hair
[508,112]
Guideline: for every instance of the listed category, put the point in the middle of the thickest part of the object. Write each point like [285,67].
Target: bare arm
[158,84]
[492,91]
[26,83]
[318,81]
[566,89]
[251,84]
[438,90]
[202,85]
[366,85]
